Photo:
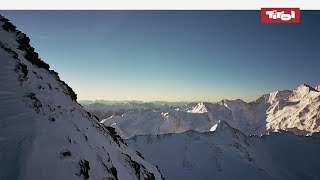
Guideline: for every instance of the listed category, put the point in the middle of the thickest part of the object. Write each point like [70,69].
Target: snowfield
[227,153]
[45,133]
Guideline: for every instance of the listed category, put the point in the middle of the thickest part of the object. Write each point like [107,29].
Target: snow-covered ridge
[136,122]
[227,153]
[22,45]
[44,132]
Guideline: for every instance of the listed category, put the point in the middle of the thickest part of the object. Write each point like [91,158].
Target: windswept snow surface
[227,153]
[291,110]
[44,132]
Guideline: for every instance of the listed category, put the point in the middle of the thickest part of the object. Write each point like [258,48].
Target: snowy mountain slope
[299,113]
[158,122]
[44,132]
[229,154]
[293,110]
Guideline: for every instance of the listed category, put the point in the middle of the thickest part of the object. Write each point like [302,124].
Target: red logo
[280,15]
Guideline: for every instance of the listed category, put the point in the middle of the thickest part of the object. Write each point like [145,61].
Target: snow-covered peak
[233,103]
[199,108]
[303,90]
[279,95]
[306,86]
[223,128]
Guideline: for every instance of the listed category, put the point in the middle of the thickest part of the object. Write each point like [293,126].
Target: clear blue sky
[174,55]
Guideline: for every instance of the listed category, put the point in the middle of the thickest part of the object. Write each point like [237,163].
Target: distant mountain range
[295,110]
[105,109]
